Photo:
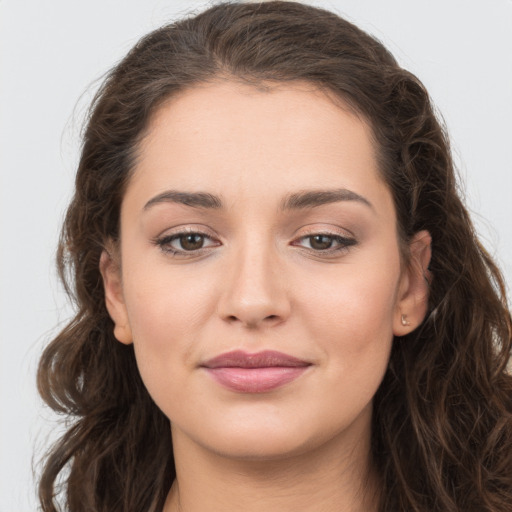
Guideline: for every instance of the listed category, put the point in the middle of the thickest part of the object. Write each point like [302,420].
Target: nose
[254,293]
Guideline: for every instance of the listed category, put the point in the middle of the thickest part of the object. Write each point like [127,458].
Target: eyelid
[344,241]
[168,236]
[186,229]
[324,229]
[341,239]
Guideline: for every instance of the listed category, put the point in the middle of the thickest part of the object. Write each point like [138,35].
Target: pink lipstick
[255,373]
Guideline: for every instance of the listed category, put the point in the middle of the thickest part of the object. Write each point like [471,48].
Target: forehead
[294,110]
[232,138]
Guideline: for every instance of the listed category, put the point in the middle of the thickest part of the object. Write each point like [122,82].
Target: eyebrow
[311,198]
[296,201]
[193,199]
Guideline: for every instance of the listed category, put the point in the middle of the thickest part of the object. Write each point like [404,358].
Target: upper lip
[264,359]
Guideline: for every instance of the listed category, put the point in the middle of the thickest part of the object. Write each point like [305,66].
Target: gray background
[52,54]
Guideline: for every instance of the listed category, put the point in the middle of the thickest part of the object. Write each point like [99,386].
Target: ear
[413,292]
[114,299]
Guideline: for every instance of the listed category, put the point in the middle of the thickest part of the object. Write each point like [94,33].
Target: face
[259,273]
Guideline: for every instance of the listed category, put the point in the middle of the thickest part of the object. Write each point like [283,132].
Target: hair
[442,419]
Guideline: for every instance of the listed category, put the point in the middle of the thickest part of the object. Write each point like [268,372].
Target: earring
[405,322]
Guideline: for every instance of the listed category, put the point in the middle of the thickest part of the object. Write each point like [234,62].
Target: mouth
[255,373]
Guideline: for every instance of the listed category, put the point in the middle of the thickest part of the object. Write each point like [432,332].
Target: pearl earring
[405,322]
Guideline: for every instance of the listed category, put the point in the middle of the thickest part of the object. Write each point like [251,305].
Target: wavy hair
[442,422]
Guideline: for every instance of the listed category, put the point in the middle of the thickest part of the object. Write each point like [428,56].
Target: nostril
[252,322]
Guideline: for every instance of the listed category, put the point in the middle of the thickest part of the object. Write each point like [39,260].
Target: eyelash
[343,243]
[164,243]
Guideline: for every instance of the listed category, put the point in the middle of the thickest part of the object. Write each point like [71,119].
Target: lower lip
[256,380]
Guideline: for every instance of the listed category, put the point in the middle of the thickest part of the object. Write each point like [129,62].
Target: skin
[260,283]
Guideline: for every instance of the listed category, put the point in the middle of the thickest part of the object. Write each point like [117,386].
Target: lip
[255,373]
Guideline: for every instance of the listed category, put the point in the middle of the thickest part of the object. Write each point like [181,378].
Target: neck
[330,478]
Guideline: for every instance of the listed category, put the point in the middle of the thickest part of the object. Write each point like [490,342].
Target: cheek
[350,317]
[357,299]
[164,302]
[166,313]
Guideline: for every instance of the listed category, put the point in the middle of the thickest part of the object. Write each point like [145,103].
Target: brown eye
[186,243]
[320,242]
[325,244]
[191,241]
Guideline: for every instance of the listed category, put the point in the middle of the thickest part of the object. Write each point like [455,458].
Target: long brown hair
[442,423]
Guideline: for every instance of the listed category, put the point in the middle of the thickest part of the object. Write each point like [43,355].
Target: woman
[282,303]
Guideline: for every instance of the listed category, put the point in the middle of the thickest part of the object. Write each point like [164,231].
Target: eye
[185,243]
[325,243]
[320,242]
[191,241]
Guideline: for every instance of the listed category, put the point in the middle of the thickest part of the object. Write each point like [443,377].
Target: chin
[269,437]
[270,446]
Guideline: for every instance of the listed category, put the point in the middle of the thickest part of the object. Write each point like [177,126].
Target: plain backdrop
[52,55]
